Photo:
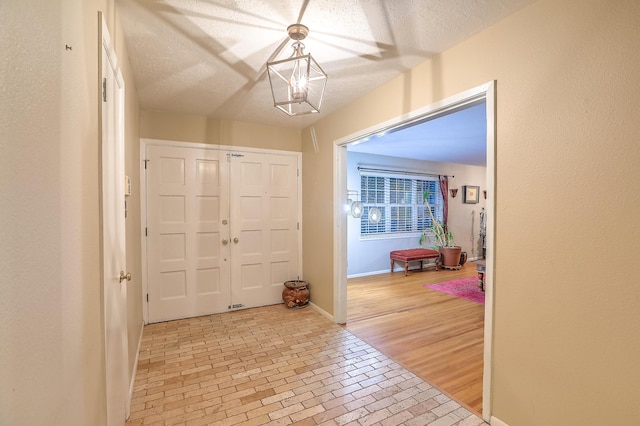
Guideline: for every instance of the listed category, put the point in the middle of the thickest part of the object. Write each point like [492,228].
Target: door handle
[225,242]
[124,276]
[235,240]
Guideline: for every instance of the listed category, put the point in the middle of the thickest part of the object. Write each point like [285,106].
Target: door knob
[225,242]
[235,240]
[124,276]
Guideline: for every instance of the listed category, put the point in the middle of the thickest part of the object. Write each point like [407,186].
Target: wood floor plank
[436,336]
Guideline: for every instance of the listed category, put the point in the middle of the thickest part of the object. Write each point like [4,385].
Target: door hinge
[298,226]
[146,231]
[104,90]
[298,172]
[147,297]
[145,163]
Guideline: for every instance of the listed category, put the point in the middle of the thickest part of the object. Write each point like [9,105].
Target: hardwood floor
[434,335]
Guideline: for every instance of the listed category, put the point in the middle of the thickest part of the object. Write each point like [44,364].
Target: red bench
[413,255]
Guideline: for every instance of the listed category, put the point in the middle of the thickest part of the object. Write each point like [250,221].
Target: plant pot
[295,294]
[450,257]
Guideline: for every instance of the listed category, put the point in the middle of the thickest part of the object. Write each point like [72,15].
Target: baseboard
[401,269]
[366,274]
[497,422]
[395,269]
[321,311]
[132,380]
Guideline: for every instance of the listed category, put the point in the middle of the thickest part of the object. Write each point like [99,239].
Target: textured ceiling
[207,57]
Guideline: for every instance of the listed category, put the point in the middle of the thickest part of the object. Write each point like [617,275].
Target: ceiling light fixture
[297,83]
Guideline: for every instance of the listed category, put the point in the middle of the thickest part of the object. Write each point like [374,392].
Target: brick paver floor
[277,366]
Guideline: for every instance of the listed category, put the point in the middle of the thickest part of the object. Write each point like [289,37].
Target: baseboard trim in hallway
[497,422]
[322,312]
[132,380]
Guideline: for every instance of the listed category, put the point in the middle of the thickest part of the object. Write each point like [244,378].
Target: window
[400,200]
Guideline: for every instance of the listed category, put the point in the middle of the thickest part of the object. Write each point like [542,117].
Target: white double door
[222,229]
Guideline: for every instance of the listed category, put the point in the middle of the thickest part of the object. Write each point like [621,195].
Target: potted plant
[441,238]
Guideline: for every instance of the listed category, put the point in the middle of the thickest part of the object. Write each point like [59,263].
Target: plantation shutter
[399,196]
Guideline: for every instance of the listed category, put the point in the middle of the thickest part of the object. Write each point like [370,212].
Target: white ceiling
[458,137]
[207,57]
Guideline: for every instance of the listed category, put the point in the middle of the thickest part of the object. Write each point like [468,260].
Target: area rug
[465,288]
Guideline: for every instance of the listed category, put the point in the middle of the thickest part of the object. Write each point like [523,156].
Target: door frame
[145,142]
[485,91]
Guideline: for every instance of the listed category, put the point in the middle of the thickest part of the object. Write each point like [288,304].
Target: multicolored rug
[465,288]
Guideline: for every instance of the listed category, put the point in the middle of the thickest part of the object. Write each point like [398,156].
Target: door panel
[188,268]
[264,210]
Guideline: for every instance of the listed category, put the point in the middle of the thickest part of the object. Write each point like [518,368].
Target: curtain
[444,189]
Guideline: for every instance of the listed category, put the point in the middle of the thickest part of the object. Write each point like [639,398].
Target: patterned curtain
[444,189]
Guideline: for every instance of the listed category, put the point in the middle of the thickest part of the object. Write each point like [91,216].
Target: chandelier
[298,82]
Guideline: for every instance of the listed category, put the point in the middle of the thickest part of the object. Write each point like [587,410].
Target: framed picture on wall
[470,194]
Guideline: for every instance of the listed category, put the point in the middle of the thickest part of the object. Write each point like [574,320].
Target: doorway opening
[483,94]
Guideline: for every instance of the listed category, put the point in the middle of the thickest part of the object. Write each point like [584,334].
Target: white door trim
[487,92]
[144,142]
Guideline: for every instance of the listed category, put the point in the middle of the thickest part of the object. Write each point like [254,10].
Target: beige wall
[200,129]
[464,219]
[566,341]
[52,351]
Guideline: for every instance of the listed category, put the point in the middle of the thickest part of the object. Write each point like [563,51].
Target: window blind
[400,199]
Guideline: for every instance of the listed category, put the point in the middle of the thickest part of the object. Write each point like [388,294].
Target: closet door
[187,260]
[263,227]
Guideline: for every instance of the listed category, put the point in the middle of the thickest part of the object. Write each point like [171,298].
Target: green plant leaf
[443,237]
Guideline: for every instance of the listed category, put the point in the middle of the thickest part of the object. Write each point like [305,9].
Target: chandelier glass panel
[298,82]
